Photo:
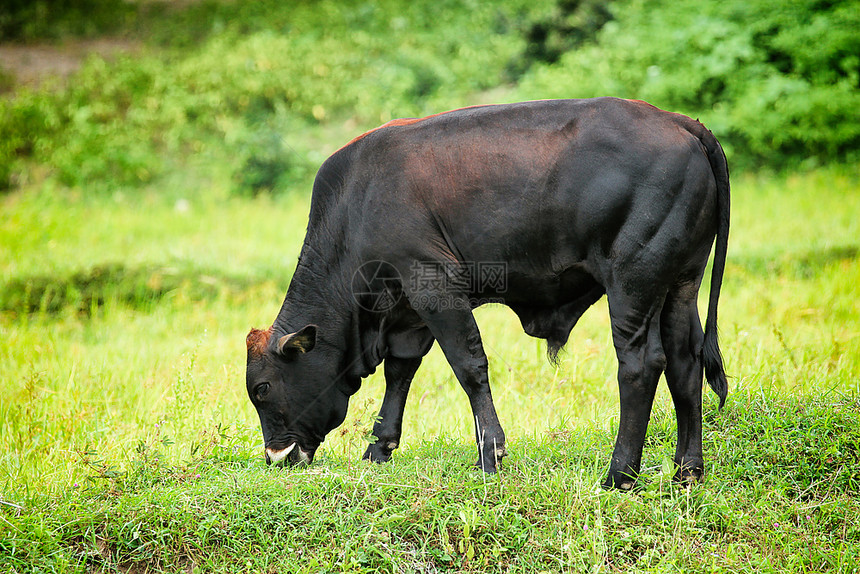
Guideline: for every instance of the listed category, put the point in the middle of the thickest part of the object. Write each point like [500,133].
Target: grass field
[152,205]
[127,442]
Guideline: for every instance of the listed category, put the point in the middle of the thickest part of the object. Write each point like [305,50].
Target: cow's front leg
[388,426]
[460,341]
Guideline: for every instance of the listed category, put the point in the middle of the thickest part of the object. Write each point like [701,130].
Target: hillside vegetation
[249,86]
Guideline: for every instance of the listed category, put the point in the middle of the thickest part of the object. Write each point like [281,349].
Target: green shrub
[268,164]
[24,123]
[35,19]
[260,65]
[778,82]
[86,291]
[569,25]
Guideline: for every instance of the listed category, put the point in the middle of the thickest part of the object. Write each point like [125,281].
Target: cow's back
[544,186]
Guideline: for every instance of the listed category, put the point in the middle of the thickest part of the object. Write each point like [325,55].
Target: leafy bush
[260,65]
[569,25]
[86,291]
[268,163]
[29,19]
[778,82]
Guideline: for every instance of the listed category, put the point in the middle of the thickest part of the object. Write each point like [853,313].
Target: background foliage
[244,83]
[778,82]
[40,19]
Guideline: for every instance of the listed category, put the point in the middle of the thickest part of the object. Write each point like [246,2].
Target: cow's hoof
[379,452]
[688,476]
[490,464]
[625,485]
[620,481]
[486,466]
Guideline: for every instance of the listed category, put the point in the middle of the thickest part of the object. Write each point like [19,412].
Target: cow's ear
[302,340]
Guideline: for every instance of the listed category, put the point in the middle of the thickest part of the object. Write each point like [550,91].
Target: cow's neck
[319,294]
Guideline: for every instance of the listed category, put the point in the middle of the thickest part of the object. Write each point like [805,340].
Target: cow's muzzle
[293,454]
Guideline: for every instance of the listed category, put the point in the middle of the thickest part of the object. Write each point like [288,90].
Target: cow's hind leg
[387,428]
[681,332]
[636,335]
[457,333]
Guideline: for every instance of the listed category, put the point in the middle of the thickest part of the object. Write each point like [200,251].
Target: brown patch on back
[396,122]
[258,341]
[406,122]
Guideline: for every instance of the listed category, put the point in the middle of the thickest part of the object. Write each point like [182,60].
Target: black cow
[559,202]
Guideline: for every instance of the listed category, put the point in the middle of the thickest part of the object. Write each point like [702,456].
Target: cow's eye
[262,390]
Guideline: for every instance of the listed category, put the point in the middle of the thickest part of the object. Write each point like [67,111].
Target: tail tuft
[714,371]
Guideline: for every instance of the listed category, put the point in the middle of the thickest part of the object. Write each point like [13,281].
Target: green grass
[428,510]
[128,442]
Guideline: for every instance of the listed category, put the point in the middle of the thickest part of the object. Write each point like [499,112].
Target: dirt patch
[33,64]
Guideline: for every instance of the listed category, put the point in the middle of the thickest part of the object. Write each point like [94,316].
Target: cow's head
[293,387]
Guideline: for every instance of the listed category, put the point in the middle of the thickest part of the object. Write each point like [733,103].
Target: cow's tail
[711,356]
